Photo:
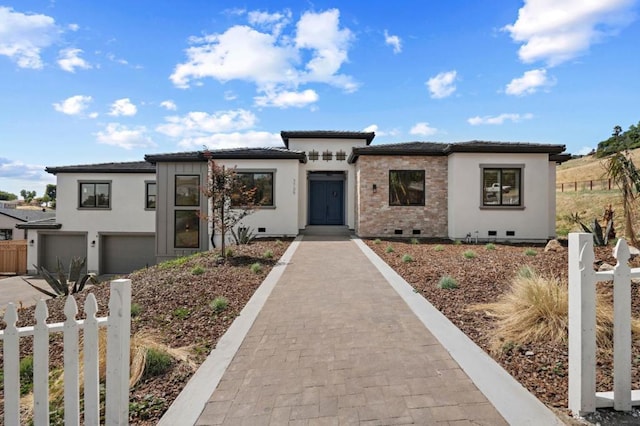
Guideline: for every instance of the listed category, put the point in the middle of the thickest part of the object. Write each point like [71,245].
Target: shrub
[181,313]
[268,254]
[279,242]
[490,246]
[158,362]
[174,263]
[26,375]
[197,270]
[530,252]
[219,304]
[256,268]
[448,283]
[407,258]
[535,310]
[389,249]
[415,241]
[438,248]
[469,254]
[228,252]
[457,242]
[377,241]
[136,309]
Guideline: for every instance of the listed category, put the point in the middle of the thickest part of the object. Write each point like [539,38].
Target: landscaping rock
[605,267]
[555,246]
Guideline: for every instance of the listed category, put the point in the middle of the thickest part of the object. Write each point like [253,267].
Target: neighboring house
[10,217]
[140,213]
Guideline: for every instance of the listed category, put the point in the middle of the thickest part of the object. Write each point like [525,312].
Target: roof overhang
[325,134]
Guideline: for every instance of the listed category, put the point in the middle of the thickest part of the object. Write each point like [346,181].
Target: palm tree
[623,173]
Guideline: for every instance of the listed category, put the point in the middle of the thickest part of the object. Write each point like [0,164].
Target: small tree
[623,172]
[50,192]
[28,195]
[231,201]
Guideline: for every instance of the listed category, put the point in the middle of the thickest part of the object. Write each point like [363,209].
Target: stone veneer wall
[376,218]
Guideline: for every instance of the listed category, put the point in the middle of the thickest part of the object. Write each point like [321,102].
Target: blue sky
[88,82]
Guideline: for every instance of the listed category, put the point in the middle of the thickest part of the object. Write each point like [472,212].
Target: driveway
[14,289]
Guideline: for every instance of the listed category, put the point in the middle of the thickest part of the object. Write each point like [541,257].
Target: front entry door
[326,202]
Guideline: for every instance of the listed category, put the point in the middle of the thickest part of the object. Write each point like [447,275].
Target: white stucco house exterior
[123,216]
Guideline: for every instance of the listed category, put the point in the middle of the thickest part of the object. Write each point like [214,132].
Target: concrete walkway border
[514,402]
[190,403]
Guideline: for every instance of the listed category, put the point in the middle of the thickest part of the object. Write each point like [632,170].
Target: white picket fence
[583,398]
[118,325]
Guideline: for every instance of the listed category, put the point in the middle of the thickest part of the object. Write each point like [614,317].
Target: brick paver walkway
[334,344]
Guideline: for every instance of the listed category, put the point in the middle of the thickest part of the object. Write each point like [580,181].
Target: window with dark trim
[327,156]
[341,155]
[262,182]
[502,186]
[406,187]
[150,195]
[94,195]
[187,190]
[313,155]
[186,229]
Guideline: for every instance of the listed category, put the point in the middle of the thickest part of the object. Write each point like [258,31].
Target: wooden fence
[583,398]
[13,257]
[118,325]
[586,185]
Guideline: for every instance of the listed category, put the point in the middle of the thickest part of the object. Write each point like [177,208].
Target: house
[123,216]
[10,217]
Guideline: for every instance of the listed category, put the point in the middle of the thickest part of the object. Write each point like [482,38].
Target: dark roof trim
[229,154]
[129,167]
[504,147]
[325,134]
[559,158]
[45,224]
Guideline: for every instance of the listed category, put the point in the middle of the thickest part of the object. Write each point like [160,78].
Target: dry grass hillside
[589,204]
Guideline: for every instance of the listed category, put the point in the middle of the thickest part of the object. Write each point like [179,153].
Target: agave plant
[60,283]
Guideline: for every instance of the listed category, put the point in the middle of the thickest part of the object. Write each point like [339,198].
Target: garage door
[122,254]
[63,247]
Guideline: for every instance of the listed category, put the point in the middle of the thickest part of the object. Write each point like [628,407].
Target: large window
[406,187]
[263,184]
[187,190]
[187,229]
[502,186]
[150,195]
[95,195]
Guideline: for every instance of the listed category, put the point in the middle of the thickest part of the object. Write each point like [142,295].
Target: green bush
[389,249]
[377,241]
[197,270]
[158,362]
[181,313]
[530,252]
[136,309]
[448,283]
[268,254]
[256,268]
[469,254]
[173,263]
[415,241]
[228,252]
[26,375]
[490,246]
[219,304]
[457,242]
[438,248]
[407,258]
[526,272]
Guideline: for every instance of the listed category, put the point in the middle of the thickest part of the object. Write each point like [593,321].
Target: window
[313,155]
[187,229]
[263,184]
[327,156]
[341,155]
[501,186]
[6,234]
[187,190]
[406,187]
[150,195]
[95,195]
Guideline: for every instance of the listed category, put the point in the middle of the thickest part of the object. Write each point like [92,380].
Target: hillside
[589,204]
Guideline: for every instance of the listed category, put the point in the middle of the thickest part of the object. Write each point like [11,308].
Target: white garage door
[122,254]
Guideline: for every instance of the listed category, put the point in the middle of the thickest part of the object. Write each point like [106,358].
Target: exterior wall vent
[511,233]
[262,229]
[493,233]
[398,232]
[416,232]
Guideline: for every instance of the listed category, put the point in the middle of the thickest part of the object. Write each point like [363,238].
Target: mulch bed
[541,368]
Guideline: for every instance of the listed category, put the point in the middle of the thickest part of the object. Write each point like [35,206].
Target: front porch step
[326,230]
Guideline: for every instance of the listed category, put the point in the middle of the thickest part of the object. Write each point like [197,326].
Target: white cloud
[374,128]
[442,85]
[123,107]
[69,60]
[125,137]
[585,150]
[529,83]
[229,95]
[12,169]
[169,105]
[270,21]
[113,58]
[74,105]
[250,139]
[73,27]
[272,61]
[201,126]
[393,41]
[287,99]
[423,129]
[558,30]
[23,36]
[499,119]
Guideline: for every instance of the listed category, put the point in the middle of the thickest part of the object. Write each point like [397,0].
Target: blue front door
[326,205]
